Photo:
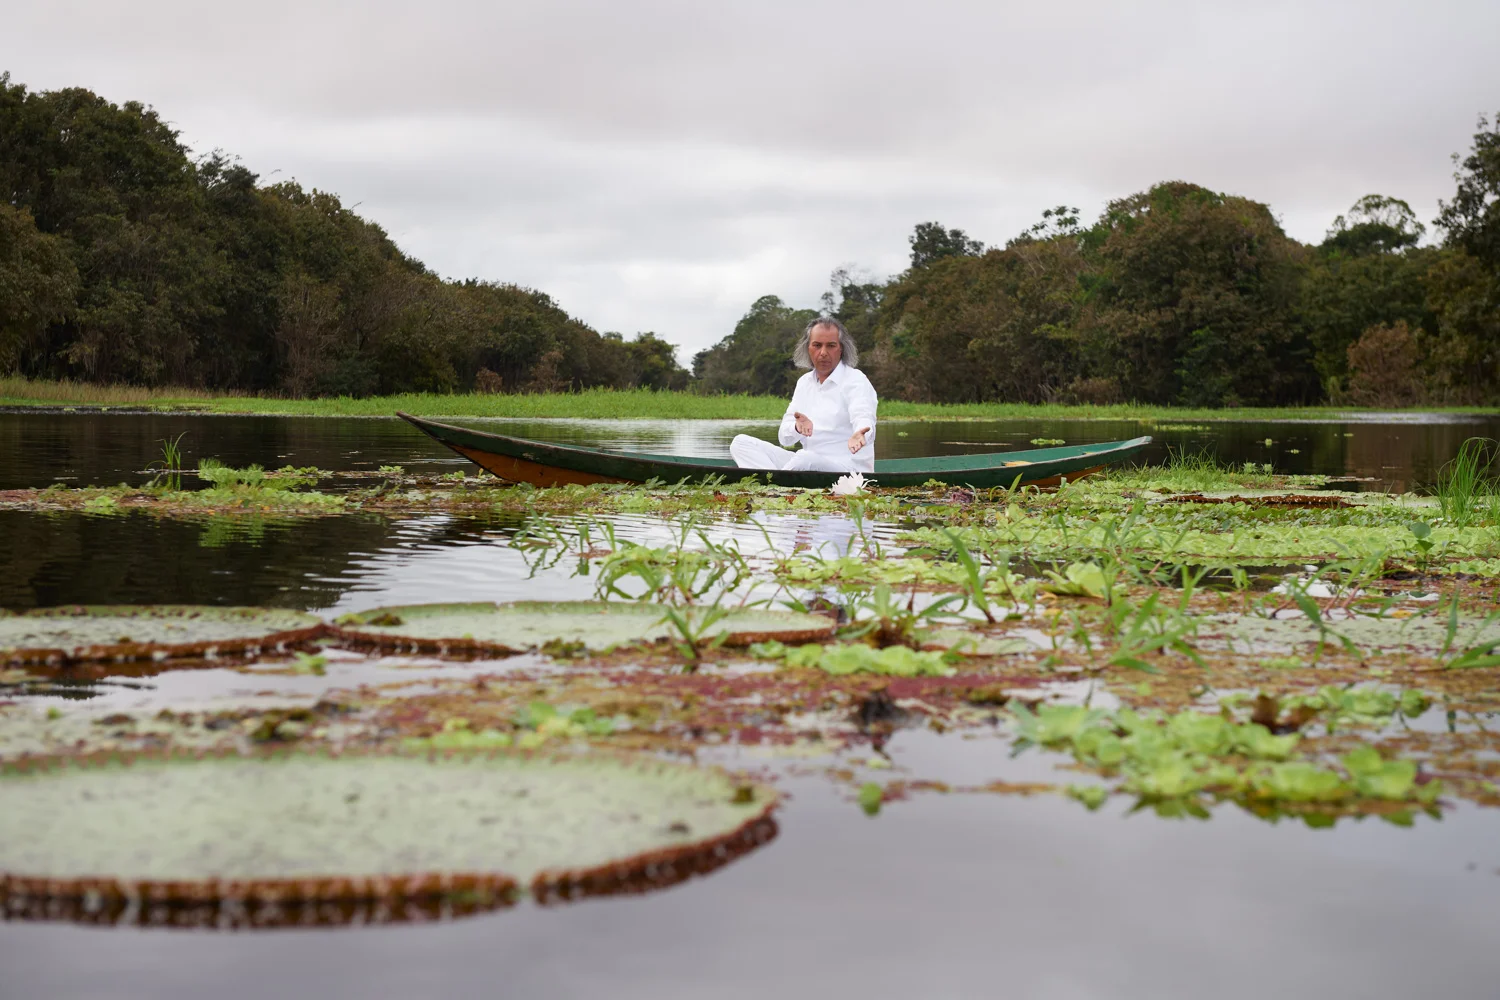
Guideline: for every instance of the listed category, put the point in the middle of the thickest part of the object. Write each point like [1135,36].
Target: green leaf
[1092,796]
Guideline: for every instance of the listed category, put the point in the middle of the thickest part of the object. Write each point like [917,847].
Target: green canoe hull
[543,464]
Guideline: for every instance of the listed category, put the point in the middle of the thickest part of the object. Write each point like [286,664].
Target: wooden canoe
[542,463]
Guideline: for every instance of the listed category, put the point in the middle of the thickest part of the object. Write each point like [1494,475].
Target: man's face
[824,349]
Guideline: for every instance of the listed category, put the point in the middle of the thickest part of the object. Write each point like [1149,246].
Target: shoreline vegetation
[128,259]
[618,404]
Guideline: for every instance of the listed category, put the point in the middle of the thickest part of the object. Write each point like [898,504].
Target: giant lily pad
[234,841]
[130,632]
[510,628]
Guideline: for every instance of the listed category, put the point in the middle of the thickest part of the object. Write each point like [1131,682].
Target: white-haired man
[832,413]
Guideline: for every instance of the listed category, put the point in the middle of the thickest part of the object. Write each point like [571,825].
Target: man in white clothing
[832,413]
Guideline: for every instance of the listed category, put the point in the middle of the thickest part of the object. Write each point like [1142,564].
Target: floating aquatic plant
[857,658]
[130,632]
[230,836]
[1191,756]
[510,628]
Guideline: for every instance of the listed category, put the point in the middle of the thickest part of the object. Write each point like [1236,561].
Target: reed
[16,390]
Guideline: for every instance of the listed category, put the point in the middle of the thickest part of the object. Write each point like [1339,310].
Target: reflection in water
[347,562]
[37,449]
[140,559]
[929,898]
[942,896]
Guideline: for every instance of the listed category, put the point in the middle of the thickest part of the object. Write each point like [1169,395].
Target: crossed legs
[753,453]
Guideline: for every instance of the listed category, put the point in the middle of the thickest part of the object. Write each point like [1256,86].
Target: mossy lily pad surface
[505,628]
[311,828]
[130,632]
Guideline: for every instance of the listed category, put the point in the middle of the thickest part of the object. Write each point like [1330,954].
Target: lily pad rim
[641,872]
[312,627]
[351,631]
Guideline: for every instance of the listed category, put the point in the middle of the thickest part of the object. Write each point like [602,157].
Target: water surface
[961,895]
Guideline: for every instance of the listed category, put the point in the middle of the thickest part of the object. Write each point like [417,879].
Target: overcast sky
[660,165]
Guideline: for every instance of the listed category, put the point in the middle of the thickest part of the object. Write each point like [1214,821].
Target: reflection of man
[832,413]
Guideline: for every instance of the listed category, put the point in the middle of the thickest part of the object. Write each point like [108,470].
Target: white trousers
[753,453]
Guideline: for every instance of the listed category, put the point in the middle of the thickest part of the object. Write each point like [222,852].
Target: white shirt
[838,406]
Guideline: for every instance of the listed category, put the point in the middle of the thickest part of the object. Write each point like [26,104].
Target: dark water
[1400,451]
[964,895]
[948,896]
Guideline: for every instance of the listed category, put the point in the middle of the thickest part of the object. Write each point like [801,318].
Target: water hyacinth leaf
[79,633]
[1092,796]
[1050,725]
[508,628]
[975,643]
[854,658]
[1084,579]
[1379,778]
[310,828]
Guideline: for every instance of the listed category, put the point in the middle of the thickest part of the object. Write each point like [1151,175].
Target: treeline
[1177,295]
[124,259]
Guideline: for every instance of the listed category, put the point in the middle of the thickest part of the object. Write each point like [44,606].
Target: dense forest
[1176,295]
[125,259]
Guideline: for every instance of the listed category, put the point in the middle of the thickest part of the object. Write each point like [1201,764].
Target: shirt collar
[836,376]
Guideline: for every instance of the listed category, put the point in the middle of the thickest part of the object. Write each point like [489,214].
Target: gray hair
[848,353]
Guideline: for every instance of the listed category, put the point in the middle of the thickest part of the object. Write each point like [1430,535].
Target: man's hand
[804,424]
[857,440]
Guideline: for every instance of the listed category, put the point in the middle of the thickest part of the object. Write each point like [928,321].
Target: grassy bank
[609,404]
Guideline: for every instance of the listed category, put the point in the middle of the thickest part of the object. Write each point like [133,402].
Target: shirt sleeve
[787,432]
[862,404]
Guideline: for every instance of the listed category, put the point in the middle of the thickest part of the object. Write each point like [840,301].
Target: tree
[38,284]
[1463,354]
[1193,298]
[1384,368]
[1472,219]
[123,258]
[969,329]
[655,363]
[931,242]
[1374,224]
[1368,272]
[757,356]
[1061,221]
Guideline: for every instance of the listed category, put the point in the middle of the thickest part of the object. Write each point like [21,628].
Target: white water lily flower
[848,485]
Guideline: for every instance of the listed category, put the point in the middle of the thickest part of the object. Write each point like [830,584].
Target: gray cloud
[659,165]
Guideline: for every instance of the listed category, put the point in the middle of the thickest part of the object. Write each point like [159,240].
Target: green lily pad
[131,632]
[511,628]
[232,839]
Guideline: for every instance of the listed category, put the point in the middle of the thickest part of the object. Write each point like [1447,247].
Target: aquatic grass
[892,623]
[168,468]
[613,404]
[1464,487]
